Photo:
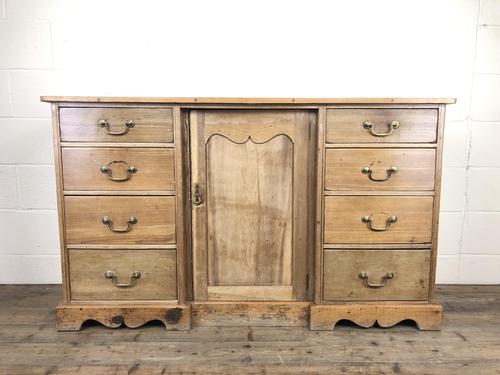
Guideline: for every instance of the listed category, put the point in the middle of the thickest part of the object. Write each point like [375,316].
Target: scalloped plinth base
[174,317]
[428,317]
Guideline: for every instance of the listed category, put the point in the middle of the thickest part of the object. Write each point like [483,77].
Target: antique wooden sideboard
[227,211]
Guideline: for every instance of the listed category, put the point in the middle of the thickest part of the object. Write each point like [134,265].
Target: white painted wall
[253,48]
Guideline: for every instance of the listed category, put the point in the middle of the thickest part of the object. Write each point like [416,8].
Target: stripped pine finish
[156,281]
[412,169]
[261,211]
[150,124]
[262,242]
[414,125]
[249,170]
[343,219]
[469,342]
[409,271]
[153,169]
[85,225]
[72,100]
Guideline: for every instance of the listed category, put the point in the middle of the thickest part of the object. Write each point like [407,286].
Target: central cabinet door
[250,184]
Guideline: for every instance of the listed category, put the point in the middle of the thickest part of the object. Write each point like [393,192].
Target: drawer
[367,219]
[125,124]
[380,169]
[157,279]
[120,220]
[118,169]
[374,275]
[353,125]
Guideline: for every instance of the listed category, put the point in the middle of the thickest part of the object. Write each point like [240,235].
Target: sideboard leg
[428,317]
[175,317]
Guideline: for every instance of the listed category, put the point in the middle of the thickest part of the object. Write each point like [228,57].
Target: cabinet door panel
[250,186]
[249,200]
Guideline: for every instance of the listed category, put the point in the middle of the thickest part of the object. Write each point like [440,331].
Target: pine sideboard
[248,211]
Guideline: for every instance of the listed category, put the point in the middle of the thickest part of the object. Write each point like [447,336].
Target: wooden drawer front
[415,125]
[158,274]
[343,278]
[346,169]
[154,169]
[344,219]
[150,124]
[155,220]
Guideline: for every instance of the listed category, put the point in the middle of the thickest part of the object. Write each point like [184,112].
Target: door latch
[197,195]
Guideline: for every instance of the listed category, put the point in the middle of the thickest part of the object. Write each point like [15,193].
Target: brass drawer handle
[106,220]
[370,125]
[129,124]
[364,277]
[368,171]
[134,276]
[368,221]
[106,169]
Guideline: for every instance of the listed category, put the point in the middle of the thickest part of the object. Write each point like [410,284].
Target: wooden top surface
[193,100]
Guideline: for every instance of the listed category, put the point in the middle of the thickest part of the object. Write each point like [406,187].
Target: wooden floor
[468,344]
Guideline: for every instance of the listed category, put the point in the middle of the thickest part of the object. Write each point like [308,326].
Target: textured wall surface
[255,48]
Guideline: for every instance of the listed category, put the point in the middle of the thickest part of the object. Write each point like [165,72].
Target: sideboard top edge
[208,100]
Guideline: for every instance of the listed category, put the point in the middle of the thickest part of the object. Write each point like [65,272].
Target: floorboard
[468,344]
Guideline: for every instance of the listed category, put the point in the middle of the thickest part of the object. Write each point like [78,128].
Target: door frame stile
[198,176]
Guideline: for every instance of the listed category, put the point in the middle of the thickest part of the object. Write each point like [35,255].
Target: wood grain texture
[250,208]
[384,246]
[155,220]
[256,314]
[319,205]
[428,317]
[380,145]
[415,169]
[116,144]
[376,192]
[158,270]
[259,125]
[155,169]
[277,145]
[208,100]
[174,317]
[342,282]
[303,203]
[310,217]
[56,139]
[122,247]
[182,208]
[250,293]
[120,192]
[343,216]
[198,212]
[416,125]
[437,199]
[151,124]
[251,202]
